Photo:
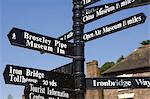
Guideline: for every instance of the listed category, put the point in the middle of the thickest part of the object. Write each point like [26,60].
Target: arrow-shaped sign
[30,40]
[117,82]
[115,27]
[19,75]
[97,12]
[47,92]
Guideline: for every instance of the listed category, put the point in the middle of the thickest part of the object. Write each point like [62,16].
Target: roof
[138,61]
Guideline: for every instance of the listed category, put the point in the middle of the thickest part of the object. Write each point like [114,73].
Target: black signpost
[68,81]
[30,40]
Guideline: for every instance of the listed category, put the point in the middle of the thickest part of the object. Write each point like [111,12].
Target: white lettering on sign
[104,10]
[109,83]
[34,73]
[67,36]
[33,96]
[53,92]
[39,89]
[88,17]
[32,44]
[86,1]
[31,37]
[134,20]
[126,2]
[143,82]
[21,79]
[49,83]
[59,44]
[112,28]
[15,71]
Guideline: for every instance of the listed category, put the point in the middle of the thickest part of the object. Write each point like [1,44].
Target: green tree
[120,58]
[146,42]
[10,96]
[106,66]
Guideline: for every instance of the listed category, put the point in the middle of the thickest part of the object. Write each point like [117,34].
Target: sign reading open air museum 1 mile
[114,27]
[26,39]
[118,82]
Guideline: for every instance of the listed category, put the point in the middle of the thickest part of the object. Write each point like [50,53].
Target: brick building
[137,64]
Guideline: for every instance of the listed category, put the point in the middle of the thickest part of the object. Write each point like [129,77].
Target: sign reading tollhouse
[42,82]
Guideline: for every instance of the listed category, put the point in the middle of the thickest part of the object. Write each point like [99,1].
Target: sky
[54,18]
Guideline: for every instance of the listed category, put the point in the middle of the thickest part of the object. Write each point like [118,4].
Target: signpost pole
[78,60]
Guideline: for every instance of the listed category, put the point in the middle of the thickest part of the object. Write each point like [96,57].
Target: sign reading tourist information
[34,91]
[89,2]
[26,39]
[115,27]
[118,82]
[94,13]
[19,75]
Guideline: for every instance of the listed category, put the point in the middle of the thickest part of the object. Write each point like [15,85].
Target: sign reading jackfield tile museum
[118,82]
[38,42]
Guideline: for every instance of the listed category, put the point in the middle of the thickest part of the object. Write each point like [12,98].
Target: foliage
[120,58]
[146,42]
[106,66]
[10,96]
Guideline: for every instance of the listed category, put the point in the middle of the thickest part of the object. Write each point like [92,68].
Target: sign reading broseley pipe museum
[26,39]
[19,75]
[118,82]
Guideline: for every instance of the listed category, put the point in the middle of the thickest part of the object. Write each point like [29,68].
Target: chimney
[93,71]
